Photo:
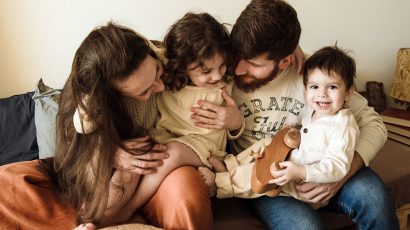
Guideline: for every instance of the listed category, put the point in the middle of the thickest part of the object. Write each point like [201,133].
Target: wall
[39,37]
[373,29]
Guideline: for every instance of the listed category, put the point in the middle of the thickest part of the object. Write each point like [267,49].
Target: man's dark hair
[270,26]
[331,60]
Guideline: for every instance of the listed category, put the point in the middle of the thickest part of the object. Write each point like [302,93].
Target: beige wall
[38,38]
[373,29]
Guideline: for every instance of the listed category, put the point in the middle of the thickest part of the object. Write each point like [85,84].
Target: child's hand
[290,171]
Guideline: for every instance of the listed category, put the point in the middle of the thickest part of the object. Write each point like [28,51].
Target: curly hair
[193,38]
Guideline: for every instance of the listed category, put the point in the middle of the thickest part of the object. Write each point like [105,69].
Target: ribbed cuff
[224,185]
[233,137]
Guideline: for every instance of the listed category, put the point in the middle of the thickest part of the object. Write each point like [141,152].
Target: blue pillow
[46,107]
[17,130]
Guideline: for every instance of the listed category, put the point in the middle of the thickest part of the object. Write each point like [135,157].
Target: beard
[255,83]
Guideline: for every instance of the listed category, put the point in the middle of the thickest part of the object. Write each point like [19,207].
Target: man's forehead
[260,59]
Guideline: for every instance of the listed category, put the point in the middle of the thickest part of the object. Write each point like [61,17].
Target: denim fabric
[285,212]
[364,198]
[367,201]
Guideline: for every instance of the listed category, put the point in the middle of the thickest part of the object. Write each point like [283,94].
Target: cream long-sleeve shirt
[175,112]
[326,149]
[175,119]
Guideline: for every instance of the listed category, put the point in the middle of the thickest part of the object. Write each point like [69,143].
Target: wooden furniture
[403,214]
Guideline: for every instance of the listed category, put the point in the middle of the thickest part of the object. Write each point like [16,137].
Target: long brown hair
[83,164]
[193,38]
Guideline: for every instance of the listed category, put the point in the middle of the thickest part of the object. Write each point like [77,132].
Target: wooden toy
[277,151]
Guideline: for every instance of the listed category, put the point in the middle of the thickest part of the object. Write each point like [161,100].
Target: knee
[367,199]
[378,205]
[370,191]
[380,195]
[182,202]
[175,159]
[373,206]
[179,155]
[189,189]
[183,187]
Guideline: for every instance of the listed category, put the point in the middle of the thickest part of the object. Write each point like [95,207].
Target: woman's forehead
[141,78]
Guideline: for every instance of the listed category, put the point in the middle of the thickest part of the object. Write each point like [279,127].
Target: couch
[23,124]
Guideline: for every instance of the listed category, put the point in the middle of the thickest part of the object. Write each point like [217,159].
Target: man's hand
[321,193]
[211,116]
[145,163]
[318,193]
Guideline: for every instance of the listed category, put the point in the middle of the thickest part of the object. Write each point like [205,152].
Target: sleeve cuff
[235,136]
[223,185]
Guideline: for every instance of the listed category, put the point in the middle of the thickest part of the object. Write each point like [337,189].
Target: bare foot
[217,165]
[209,178]
[88,226]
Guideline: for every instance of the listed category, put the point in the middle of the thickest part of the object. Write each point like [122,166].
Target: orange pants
[28,201]
[181,202]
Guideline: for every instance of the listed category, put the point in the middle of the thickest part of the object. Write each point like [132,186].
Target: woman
[94,174]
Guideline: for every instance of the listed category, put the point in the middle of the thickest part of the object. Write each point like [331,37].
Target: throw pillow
[17,130]
[46,107]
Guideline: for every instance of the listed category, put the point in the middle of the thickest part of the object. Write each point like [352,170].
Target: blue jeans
[364,198]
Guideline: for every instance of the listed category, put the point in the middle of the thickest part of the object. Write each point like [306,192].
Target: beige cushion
[392,165]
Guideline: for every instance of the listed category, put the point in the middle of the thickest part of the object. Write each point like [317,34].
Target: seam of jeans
[345,207]
[349,212]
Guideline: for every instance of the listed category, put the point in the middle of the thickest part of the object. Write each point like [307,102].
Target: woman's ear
[285,62]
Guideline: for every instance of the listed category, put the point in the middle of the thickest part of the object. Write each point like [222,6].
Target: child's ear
[349,94]
[285,62]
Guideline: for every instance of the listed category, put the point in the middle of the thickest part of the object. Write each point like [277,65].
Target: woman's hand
[145,163]
[211,116]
